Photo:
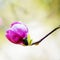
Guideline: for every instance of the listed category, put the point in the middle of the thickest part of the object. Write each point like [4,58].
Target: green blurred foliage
[49,5]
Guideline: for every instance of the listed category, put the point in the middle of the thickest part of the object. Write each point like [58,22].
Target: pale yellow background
[41,18]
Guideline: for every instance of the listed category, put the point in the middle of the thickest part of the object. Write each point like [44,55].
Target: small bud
[17,33]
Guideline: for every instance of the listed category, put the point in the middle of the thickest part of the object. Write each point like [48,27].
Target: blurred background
[41,16]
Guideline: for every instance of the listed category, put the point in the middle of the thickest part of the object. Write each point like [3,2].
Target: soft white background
[39,22]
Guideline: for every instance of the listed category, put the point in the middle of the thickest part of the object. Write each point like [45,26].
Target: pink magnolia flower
[17,33]
[1,22]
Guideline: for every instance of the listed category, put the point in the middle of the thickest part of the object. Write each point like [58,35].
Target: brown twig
[35,43]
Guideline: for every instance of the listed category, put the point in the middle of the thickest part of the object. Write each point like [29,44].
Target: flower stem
[35,43]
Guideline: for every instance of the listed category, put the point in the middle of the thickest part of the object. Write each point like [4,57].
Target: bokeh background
[41,16]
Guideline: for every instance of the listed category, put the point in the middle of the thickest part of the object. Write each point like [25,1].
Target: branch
[35,43]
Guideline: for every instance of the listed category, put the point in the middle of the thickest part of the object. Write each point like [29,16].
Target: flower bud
[17,33]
